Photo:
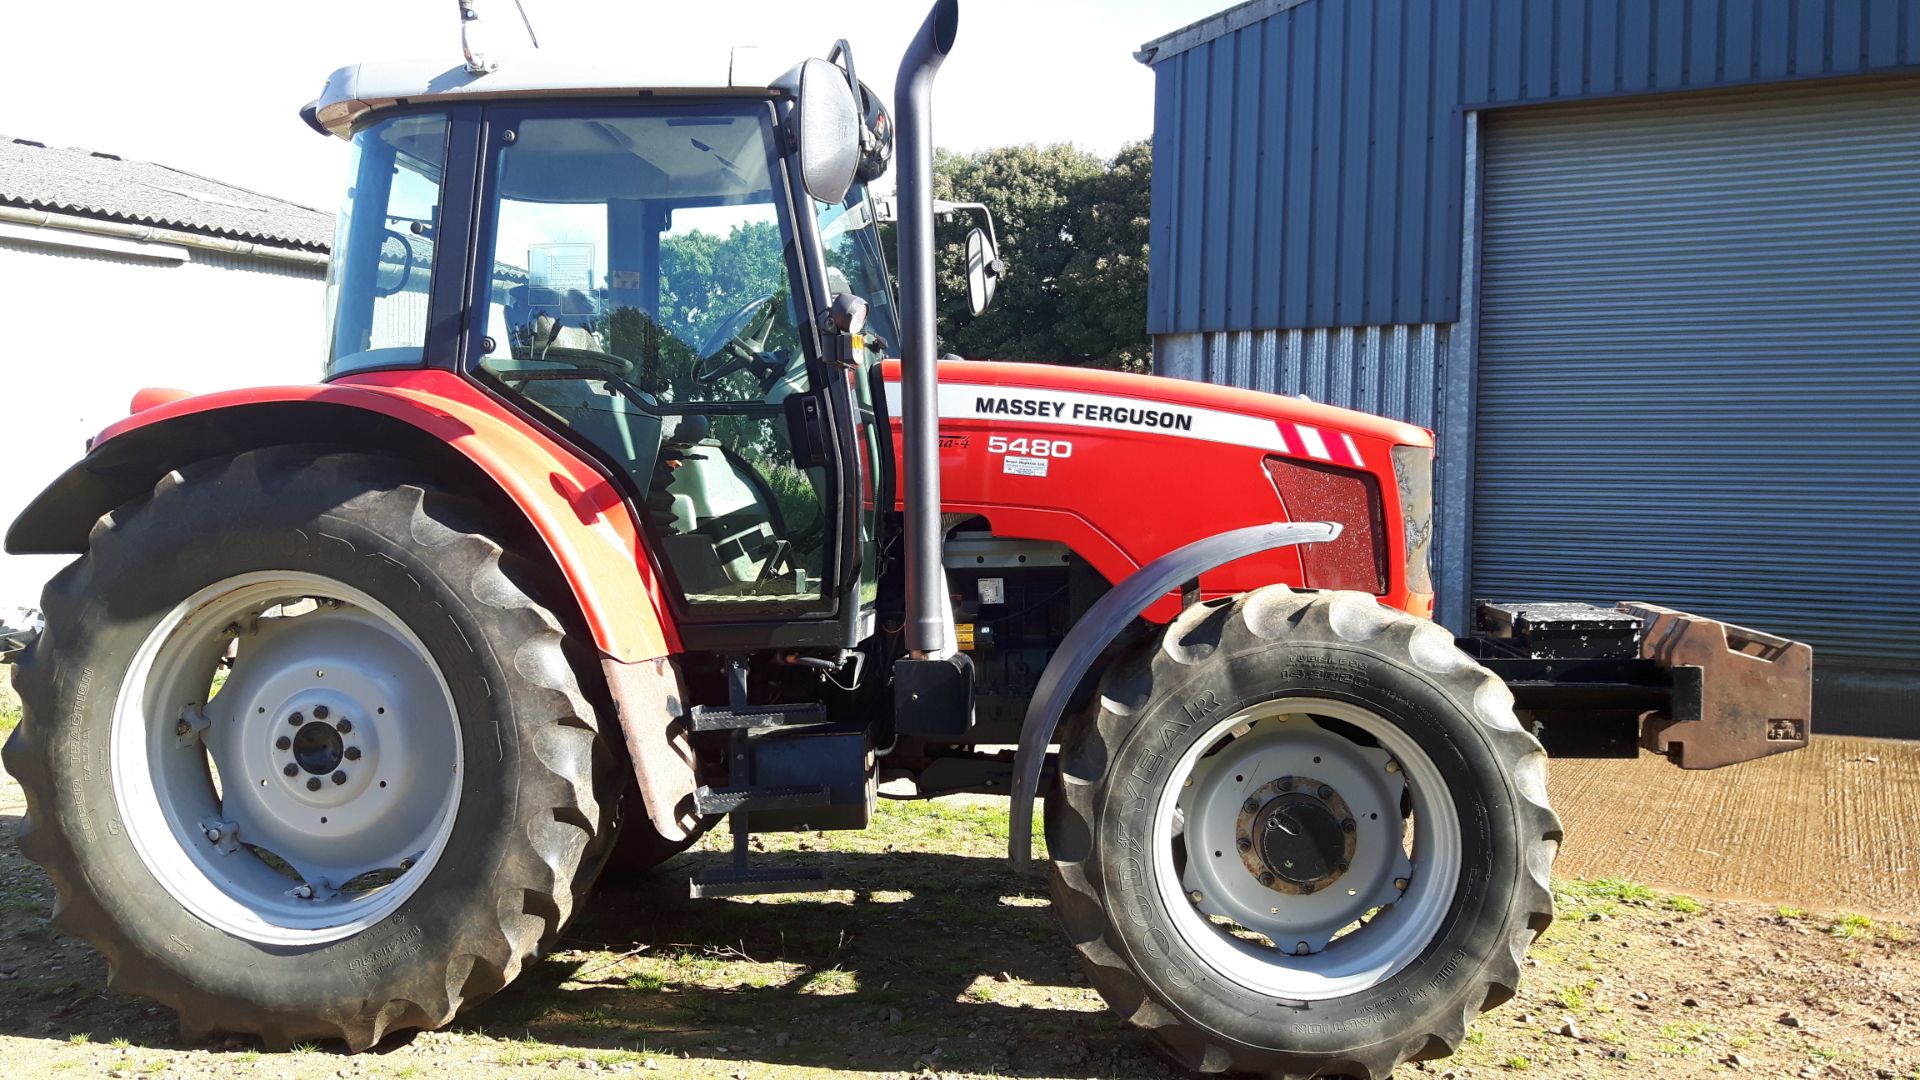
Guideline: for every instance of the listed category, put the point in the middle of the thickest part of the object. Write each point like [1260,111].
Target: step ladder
[741,796]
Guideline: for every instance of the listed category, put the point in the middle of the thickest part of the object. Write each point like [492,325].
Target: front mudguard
[1096,630]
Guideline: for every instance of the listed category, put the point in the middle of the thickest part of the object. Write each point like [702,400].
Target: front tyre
[303,754]
[1303,835]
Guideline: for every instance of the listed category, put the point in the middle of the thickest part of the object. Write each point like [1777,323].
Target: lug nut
[339,777]
[1347,825]
[1341,866]
[1401,883]
[1252,806]
[282,743]
[313,783]
[182,728]
[1286,782]
[1393,766]
[1326,792]
[1194,896]
[319,712]
[1245,844]
[291,769]
[1307,889]
[1302,949]
[303,892]
[215,835]
[296,720]
[406,864]
[1266,878]
[345,725]
[352,753]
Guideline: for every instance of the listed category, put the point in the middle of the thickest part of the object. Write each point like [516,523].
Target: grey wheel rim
[310,796]
[1300,861]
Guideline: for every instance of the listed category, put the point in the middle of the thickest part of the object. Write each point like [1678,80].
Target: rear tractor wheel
[1301,835]
[302,753]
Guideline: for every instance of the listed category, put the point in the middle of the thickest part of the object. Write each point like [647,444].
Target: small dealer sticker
[1025,466]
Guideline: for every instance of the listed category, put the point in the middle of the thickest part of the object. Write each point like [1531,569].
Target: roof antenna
[478,62]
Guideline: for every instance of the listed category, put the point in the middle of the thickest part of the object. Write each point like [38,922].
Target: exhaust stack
[927,631]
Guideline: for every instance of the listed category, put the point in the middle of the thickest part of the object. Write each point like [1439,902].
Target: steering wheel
[733,347]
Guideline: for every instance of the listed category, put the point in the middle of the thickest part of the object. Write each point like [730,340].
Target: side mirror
[984,270]
[827,122]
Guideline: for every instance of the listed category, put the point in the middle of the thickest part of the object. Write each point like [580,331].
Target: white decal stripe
[1069,408]
[1310,438]
[1354,449]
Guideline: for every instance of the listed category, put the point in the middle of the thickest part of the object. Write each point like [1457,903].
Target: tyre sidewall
[1429,994]
[302,531]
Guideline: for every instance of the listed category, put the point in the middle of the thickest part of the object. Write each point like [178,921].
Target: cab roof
[358,89]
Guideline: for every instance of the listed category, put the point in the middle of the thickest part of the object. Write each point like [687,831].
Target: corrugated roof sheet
[95,184]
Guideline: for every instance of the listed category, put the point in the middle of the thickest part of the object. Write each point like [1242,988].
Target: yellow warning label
[964,632]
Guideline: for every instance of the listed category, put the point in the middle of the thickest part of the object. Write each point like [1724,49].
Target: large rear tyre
[1301,835]
[303,753]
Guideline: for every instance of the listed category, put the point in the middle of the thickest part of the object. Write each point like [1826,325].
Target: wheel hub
[1297,835]
[317,748]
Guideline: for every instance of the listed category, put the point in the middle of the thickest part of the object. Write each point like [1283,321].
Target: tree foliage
[1073,232]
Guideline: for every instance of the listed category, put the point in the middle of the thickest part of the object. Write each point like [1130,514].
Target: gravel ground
[938,959]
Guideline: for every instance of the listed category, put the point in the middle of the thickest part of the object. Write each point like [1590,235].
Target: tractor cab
[652,276]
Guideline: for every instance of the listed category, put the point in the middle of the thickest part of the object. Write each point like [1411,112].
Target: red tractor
[612,519]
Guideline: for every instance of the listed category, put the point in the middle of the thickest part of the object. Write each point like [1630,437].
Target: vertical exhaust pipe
[926,629]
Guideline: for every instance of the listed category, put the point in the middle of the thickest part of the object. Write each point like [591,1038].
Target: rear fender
[1096,630]
[431,417]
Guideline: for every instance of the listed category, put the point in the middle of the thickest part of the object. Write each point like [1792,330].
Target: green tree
[1073,232]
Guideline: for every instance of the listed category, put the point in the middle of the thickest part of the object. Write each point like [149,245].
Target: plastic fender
[1090,637]
[576,510]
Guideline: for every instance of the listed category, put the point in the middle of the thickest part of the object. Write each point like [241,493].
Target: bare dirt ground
[936,959]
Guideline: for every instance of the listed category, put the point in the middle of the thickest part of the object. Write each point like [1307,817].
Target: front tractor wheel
[302,752]
[1301,835]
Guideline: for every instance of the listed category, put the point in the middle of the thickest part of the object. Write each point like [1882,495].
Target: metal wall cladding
[1699,361]
[1386,370]
[1308,153]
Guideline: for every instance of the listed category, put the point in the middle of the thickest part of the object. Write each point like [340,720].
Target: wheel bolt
[1194,896]
[291,769]
[215,835]
[345,725]
[1252,806]
[182,728]
[339,777]
[1347,825]
[1245,844]
[313,783]
[352,753]
[282,743]
[1401,883]
[406,864]
[1266,878]
[303,892]
[319,712]
[1302,949]
[1286,782]
[1307,889]
[1341,866]
[1393,766]
[1326,792]
[296,720]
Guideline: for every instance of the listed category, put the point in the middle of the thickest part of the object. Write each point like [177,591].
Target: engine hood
[1149,390]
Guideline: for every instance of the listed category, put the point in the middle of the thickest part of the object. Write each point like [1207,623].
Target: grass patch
[80,1038]
[646,982]
[1571,998]
[1851,926]
[1793,913]
[9,702]
[1518,1063]
[1618,890]
[1685,905]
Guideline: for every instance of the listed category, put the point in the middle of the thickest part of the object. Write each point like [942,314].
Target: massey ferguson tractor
[636,499]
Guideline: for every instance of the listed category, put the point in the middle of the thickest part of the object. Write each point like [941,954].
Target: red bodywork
[1153,464]
[1133,466]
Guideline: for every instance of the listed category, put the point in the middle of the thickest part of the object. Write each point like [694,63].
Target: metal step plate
[712,800]
[756,717]
[767,879]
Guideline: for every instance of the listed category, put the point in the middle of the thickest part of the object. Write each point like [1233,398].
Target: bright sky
[212,86]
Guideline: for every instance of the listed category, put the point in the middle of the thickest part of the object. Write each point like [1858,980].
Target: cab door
[643,288]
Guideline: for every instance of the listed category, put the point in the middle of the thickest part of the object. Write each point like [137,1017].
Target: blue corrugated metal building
[1649,268]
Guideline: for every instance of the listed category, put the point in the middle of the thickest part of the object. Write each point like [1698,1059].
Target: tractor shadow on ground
[915,961]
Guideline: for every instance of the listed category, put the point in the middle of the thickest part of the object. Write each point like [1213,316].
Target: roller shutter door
[1699,374]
